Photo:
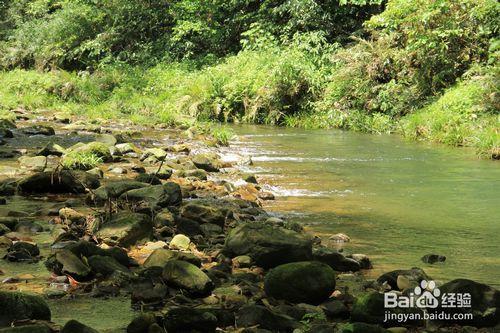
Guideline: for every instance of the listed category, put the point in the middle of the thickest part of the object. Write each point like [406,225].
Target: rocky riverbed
[156,216]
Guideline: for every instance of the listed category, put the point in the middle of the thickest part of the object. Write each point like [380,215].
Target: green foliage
[83,160]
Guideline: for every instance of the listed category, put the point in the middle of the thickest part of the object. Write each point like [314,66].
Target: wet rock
[19,306]
[74,326]
[165,195]
[113,190]
[207,162]
[363,328]
[203,213]
[433,258]
[126,229]
[36,163]
[335,260]
[362,259]
[185,319]
[301,282]
[180,242]
[160,257]
[187,276]
[267,245]
[414,275]
[105,265]
[66,262]
[148,178]
[258,315]
[484,303]
[335,309]
[22,251]
[141,323]
[38,130]
[64,181]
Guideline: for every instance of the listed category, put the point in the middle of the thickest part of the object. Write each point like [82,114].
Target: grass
[81,160]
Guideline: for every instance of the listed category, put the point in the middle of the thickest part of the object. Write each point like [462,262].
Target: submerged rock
[188,277]
[64,181]
[335,260]
[19,306]
[433,258]
[301,282]
[74,326]
[268,245]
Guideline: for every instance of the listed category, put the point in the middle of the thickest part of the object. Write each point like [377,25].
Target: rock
[249,178]
[19,306]
[188,227]
[113,190]
[22,251]
[195,173]
[126,229]
[414,276]
[180,242]
[163,173]
[433,258]
[484,303]
[74,326]
[335,309]
[71,215]
[362,259]
[98,149]
[124,148]
[36,163]
[96,172]
[267,245]
[108,139]
[185,319]
[210,230]
[165,195]
[160,257]
[154,155]
[141,323]
[206,162]
[64,181]
[148,178]
[340,238]
[105,265]
[4,229]
[37,328]
[188,277]
[335,260]
[147,293]
[66,262]
[118,170]
[301,282]
[258,315]
[50,149]
[242,261]
[363,328]
[38,130]
[203,213]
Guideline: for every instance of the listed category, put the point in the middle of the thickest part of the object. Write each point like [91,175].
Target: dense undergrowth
[425,69]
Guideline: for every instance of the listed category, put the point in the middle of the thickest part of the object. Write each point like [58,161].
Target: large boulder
[414,276]
[165,195]
[64,181]
[301,282]
[126,229]
[203,213]
[484,302]
[335,260]
[187,276]
[113,190]
[19,306]
[268,245]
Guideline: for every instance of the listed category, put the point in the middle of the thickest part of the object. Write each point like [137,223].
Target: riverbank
[155,218]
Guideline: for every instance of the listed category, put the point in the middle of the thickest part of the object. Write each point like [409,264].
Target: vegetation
[427,69]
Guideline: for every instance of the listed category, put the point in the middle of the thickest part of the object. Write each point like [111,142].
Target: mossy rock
[301,282]
[19,306]
[187,276]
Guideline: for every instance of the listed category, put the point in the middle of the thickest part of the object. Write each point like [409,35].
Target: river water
[397,200]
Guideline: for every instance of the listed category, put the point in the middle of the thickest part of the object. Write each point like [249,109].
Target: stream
[397,200]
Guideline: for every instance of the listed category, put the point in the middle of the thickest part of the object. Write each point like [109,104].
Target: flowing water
[397,200]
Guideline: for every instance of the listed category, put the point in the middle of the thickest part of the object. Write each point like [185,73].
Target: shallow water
[397,200]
